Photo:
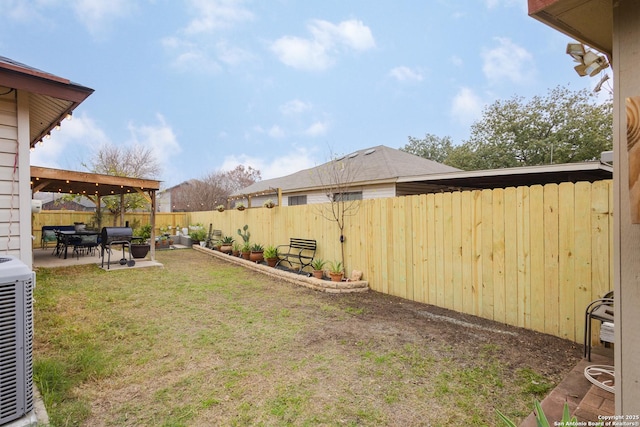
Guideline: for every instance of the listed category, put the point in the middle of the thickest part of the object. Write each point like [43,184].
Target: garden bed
[291,277]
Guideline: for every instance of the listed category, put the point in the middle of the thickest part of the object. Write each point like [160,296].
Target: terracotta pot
[246,255]
[271,262]
[235,253]
[256,256]
[318,274]
[336,277]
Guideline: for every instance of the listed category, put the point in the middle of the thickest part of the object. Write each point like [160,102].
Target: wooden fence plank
[566,260]
[456,261]
[523,231]
[498,250]
[431,249]
[551,321]
[447,250]
[487,255]
[582,252]
[510,256]
[536,215]
[466,217]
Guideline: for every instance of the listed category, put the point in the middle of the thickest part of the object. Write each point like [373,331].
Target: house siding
[9,188]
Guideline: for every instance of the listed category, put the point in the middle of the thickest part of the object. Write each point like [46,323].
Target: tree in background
[133,162]
[207,193]
[563,127]
[432,147]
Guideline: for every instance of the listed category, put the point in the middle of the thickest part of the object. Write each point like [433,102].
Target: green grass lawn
[205,343]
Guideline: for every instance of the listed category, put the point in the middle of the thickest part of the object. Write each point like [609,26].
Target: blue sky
[278,84]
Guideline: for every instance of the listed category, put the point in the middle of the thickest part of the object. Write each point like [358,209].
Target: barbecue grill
[116,236]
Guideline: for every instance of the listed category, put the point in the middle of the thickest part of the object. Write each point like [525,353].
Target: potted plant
[220,208]
[226,244]
[318,267]
[236,248]
[141,248]
[257,251]
[240,206]
[244,233]
[246,250]
[268,204]
[336,271]
[197,233]
[271,255]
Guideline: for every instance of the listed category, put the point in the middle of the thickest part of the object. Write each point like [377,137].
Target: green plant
[244,233]
[240,206]
[144,232]
[271,252]
[541,418]
[197,232]
[318,264]
[220,208]
[237,247]
[257,247]
[268,203]
[336,267]
[227,240]
[246,247]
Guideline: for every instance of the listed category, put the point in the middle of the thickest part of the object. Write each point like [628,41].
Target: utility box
[17,282]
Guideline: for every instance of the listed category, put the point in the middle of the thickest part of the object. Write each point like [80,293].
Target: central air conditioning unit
[16,339]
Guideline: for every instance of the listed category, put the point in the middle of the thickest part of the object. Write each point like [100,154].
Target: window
[354,195]
[297,200]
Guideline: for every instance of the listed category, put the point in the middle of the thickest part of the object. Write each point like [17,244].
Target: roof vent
[369,151]
[352,155]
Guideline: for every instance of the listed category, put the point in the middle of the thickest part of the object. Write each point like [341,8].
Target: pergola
[94,187]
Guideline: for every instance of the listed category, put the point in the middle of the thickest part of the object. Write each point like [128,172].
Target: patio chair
[85,243]
[600,309]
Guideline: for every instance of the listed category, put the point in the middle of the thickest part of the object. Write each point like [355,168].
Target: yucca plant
[541,418]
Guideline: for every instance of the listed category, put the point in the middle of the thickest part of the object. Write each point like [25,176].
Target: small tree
[132,162]
[336,178]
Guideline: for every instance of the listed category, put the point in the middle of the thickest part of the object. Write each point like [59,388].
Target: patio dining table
[68,237]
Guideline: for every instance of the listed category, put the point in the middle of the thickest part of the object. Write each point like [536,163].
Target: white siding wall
[9,185]
[371,192]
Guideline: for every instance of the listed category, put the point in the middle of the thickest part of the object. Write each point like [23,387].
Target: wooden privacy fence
[532,257]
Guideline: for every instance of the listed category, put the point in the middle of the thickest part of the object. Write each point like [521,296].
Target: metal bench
[298,251]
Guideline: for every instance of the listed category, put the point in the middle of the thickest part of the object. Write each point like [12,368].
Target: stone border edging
[296,279]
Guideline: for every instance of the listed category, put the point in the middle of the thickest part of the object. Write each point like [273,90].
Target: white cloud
[406,74]
[466,106]
[301,53]
[159,137]
[276,132]
[213,15]
[295,106]
[71,146]
[98,15]
[508,61]
[189,57]
[327,41]
[292,160]
[317,129]
[352,33]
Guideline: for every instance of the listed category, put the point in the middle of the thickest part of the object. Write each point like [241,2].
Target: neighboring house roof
[373,165]
[51,98]
[54,197]
[414,175]
[507,177]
